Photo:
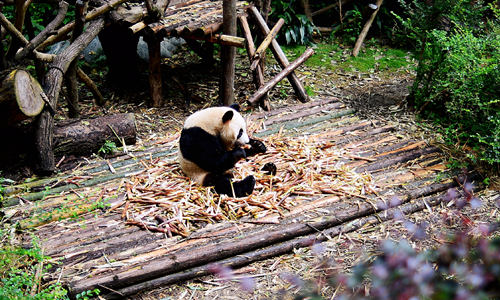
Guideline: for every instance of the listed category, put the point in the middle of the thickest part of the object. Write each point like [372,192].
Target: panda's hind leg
[223,184]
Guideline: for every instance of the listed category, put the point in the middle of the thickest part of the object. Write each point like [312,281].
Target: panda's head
[234,129]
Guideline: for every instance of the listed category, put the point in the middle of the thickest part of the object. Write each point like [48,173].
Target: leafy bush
[458,75]
[350,28]
[297,28]
[21,273]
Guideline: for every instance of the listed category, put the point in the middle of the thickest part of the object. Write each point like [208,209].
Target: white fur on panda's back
[208,119]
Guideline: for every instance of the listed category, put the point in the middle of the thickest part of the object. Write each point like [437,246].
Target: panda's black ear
[227,116]
[235,106]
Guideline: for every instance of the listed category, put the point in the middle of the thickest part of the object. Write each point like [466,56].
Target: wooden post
[281,57]
[265,43]
[365,30]
[155,85]
[281,75]
[228,53]
[258,74]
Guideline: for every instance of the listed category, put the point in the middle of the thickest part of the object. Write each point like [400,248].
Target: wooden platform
[349,169]
[193,17]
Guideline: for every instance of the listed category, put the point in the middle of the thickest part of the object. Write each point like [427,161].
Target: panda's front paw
[239,153]
[257,146]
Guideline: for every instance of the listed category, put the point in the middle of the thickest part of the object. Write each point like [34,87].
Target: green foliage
[458,75]
[349,29]
[21,271]
[108,148]
[297,28]
[88,294]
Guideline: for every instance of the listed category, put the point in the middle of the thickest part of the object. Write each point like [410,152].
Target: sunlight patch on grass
[373,58]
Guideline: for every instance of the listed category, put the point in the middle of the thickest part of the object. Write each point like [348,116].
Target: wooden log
[228,54]
[280,57]
[273,250]
[265,43]
[217,250]
[258,74]
[52,86]
[70,76]
[138,27]
[21,97]
[289,69]
[86,136]
[19,36]
[365,30]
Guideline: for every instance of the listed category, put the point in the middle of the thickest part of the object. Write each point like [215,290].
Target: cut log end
[20,97]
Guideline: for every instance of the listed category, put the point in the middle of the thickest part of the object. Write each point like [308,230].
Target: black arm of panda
[256,146]
[207,150]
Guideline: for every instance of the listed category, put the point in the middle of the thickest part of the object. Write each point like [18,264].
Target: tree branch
[63,9]
[90,16]
[20,37]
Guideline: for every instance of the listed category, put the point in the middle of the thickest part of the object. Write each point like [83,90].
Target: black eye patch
[240,133]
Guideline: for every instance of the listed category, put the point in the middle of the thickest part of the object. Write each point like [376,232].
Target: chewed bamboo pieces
[162,199]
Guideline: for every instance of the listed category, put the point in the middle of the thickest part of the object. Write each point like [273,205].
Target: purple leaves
[247,283]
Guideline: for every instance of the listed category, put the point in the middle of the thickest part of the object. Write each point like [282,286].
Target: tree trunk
[20,97]
[155,82]
[52,86]
[228,53]
[83,137]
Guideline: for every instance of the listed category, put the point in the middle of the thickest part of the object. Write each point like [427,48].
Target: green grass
[373,58]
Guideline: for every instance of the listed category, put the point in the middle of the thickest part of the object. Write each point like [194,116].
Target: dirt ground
[374,96]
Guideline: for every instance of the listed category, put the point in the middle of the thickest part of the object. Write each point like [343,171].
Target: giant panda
[211,143]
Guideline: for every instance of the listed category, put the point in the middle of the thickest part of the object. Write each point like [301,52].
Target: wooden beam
[268,86]
[265,43]
[223,39]
[280,57]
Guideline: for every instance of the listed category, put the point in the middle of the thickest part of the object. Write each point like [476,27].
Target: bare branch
[63,8]
[63,31]
[18,35]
